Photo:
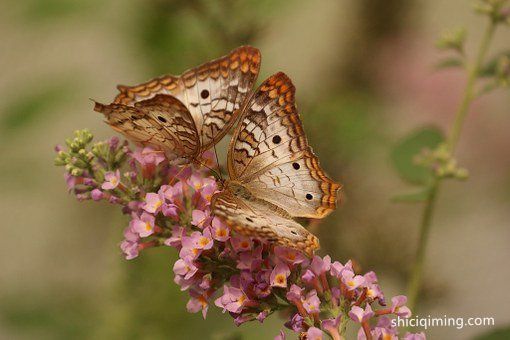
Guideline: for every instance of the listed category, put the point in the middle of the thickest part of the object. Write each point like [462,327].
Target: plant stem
[469,89]
[415,281]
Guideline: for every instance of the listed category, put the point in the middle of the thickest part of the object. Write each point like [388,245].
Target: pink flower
[359,314]
[415,336]
[289,255]
[197,303]
[96,194]
[262,316]
[308,276]
[320,266]
[232,300]
[220,231]
[112,180]
[185,268]
[153,203]
[202,240]
[176,238]
[170,210]
[331,325]
[383,330]
[295,323]
[144,225]
[279,275]
[295,293]
[130,249]
[312,302]
[398,306]
[148,156]
[241,243]
[200,218]
[314,333]
[337,268]
[352,281]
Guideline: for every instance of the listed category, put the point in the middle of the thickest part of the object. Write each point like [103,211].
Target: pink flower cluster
[246,277]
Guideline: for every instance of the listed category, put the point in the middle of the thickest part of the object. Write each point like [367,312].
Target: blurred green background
[364,77]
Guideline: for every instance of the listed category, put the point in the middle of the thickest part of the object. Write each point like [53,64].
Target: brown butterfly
[274,175]
[186,115]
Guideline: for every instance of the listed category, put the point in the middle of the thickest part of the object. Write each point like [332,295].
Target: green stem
[415,281]
[469,89]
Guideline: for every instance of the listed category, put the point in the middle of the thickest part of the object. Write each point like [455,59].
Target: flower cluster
[246,277]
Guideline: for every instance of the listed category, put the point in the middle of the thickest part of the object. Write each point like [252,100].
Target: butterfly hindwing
[251,218]
[161,122]
[212,92]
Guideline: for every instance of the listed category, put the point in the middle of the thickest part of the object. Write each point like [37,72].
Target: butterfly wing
[252,218]
[270,154]
[212,92]
[162,122]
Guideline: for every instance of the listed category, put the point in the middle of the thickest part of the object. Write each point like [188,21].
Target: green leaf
[404,153]
[414,197]
[449,63]
[498,334]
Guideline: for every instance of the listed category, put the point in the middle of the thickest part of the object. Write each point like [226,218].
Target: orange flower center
[203,241]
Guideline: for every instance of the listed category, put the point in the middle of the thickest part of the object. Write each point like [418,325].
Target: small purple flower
[312,302]
[337,268]
[197,303]
[314,333]
[359,314]
[153,203]
[320,266]
[289,255]
[308,276]
[176,238]
[262,316]
[398,306]
[241,243]
[200,218]
[148,156]
[96,194]
[111,180]
[295,323]
[415,336]
[220,231]
[295,293]
[331,325]
[384,329]
[279,275]
[351,280]
[170,210]
[144,225]
[232,300]
[185,268]
[130,249]
[113,142]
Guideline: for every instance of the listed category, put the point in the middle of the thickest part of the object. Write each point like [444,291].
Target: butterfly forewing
[252,218]
[270,154]
[161,122]
[212,92]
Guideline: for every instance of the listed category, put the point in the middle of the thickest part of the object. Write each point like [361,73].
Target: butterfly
[273,174]
[185,115]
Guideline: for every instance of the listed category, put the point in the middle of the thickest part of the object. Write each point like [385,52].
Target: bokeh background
[365,79]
